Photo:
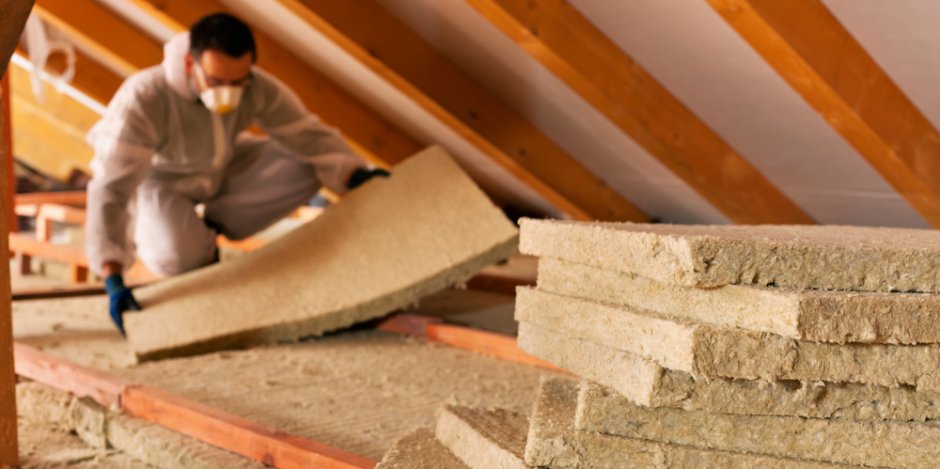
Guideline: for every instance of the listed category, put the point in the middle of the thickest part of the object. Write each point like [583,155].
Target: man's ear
[189,63]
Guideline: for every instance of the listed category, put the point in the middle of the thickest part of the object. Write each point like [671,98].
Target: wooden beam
[13,14]
[488,343]
[50,135]
[808,46]
[7,139]
[79,380]
[236,434]
[565,42]
[390,49]
[370,134]
[102,34]
[199,421]
[74,198]
[91,78]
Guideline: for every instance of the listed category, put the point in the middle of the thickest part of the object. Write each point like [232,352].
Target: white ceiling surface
[286,28]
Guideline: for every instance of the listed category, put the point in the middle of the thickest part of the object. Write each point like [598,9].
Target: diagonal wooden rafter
[49,135]
[808,46]
[565,42]
[101,34]
[91,78]
[369,133]
[374,37]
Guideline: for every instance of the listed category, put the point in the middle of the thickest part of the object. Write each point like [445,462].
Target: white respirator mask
[222,99]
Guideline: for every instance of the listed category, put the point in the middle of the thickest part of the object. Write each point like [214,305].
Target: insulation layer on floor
[814,257]
[483,438]
[387,244]
[553,441]
[645,383]
[140,444]
[419,450]
[819,316]
[357,391]
[732,353]
[883,444]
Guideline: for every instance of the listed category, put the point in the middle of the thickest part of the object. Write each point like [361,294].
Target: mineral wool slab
[645,383]
[800,257]
[883,444]
[708,351]
[387,244]
[555,442]
[819,316]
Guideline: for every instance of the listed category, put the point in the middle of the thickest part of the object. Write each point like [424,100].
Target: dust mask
[222,99]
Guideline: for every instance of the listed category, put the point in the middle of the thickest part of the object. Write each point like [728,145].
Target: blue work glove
[120,298]
[361,175]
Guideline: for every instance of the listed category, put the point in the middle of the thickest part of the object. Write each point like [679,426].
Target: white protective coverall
[160,151]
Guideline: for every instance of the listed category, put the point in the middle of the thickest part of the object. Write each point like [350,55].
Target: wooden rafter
[101,34]
[91,78]
[808,46]
[565,42]
[370,134]
[49,135]
[13,14]
[390,49]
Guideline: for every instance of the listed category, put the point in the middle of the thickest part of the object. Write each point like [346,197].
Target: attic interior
[470,233]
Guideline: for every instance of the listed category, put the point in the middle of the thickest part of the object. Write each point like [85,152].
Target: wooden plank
[496,283]
[204,423]
[75,198]
[62,374]
[808,46]
[7,129]
[12,19]
[371,134]
[50,145]
[102,34]
[434,330]
[19,242]
[378,40]
[565,42]
[91,78]
[233,433]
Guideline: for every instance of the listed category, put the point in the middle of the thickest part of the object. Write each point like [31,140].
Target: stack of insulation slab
[734,346]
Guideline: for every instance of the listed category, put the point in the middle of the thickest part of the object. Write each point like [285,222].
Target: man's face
[219,69]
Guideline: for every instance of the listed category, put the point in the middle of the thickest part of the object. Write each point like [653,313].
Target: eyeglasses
[213,81]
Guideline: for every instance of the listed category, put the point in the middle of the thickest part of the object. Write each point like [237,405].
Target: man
[172,139]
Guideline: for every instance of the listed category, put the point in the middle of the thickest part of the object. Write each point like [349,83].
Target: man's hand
[120,298]
[361,175]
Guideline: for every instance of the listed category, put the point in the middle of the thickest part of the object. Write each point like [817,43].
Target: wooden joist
[363,29]
[808,46]
[370,134]
[49,136]
[204,423]
[103,35]
[565,42]
[488,343]
[233,433]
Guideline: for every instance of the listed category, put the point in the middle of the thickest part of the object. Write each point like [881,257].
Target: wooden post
[9,452]
[13,14]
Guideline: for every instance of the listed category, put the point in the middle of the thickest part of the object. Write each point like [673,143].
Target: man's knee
[168,260]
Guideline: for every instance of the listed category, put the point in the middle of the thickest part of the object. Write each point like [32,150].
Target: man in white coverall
[172,138]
